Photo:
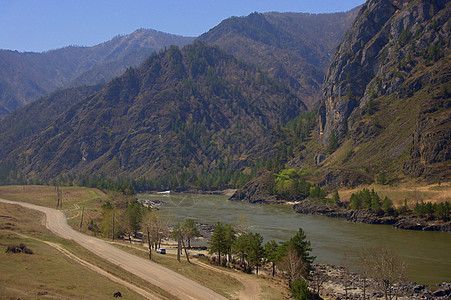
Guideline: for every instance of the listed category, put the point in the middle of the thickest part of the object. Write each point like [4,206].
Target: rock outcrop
[343,178]
[380,38]
[256,191]
[353,66]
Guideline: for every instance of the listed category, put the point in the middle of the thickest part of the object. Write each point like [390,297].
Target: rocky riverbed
[337,283]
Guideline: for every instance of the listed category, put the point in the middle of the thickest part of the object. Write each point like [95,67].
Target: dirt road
[168,280]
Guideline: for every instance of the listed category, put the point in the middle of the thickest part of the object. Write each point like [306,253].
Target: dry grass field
[47,195]
[413,193]
[47,273]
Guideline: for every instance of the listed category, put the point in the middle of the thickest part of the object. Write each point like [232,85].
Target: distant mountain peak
[42,73]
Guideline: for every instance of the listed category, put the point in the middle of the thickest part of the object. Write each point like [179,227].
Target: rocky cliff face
[395,51]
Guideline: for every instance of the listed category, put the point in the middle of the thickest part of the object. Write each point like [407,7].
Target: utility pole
[114,214]
[148,241]
[58,195]
[178,245]
[82,214]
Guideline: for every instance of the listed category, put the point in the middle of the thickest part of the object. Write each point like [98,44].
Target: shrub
[387,206]
[299,289]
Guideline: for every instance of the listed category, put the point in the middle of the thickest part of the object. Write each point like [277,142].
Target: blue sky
[40,25]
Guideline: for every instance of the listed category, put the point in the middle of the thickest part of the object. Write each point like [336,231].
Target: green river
[428,254]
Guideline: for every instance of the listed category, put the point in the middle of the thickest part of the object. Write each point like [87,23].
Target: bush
[442,211]
[299,289]
[387,206]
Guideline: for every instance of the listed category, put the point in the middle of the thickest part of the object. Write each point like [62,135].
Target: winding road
[168,280]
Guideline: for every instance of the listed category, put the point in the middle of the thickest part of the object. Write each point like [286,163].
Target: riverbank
[335,281]
[368,216]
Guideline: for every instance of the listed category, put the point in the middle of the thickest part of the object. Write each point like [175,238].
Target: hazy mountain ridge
[292,47]
[26,76]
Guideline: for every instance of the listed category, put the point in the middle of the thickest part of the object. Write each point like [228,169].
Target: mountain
[196,109]
[386,96]
[21,124]
[292,47]
[24,77]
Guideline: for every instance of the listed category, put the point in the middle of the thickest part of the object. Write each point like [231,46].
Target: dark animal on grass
[117,294]
[18,249]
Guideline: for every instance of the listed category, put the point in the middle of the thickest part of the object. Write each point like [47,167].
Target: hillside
[24,77]
[182,113]
[385,108]
[386,96]
[292,47]
[16,127]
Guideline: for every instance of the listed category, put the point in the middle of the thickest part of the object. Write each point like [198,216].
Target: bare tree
[347,278]
[386,267]
[157,225]
[364,267]
[242,224]
[293,265]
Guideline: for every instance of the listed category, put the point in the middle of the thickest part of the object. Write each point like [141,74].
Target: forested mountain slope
[21,124]
[24,77]
[183,112]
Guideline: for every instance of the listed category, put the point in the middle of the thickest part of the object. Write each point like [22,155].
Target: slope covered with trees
[183,113]
[33,118]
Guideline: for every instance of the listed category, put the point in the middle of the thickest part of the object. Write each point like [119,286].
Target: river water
[428,254]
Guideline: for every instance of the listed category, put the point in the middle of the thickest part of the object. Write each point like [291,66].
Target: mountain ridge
[286,45]
[26,76]
[195,108]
